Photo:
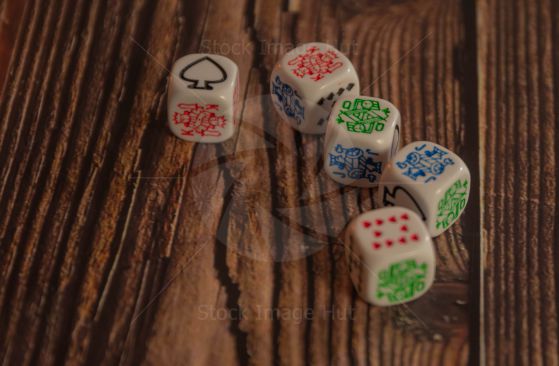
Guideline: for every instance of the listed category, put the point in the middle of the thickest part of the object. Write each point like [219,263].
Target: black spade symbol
[212,71]
[389,198]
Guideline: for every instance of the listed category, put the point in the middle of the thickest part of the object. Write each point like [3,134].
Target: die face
[306,83]
[366,119]
[390,231]
[403,279]
[362,135]
[288,100]
[314,66]
[201,122]
[351,165]
[391,256]
[201,98]
[450,204]
[426,162]
[434,183]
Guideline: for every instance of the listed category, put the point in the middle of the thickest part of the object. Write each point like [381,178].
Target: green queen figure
[363,115]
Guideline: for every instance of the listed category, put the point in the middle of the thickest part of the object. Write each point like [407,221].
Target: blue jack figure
[425,164]
[355,163]
[288,100]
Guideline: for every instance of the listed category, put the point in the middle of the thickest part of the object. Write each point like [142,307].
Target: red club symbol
[414,237]
[392,219]
[378,233]
[402,240]
[367,224]
[376,245]
[379,222]
[404,228]
[404,217]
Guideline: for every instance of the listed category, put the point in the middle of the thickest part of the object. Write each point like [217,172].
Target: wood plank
[11,13]
[121,244]
[518,88]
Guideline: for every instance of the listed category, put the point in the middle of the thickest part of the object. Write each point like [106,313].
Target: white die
[428,179]
[390,256]
[203,92]
[363,134]
[307,81]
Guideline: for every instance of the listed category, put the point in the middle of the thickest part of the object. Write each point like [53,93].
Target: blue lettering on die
[424,165]
[288,100]
[355,163]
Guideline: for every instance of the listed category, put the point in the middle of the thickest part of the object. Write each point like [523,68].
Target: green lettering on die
[363,115]
[452,204]
[401,280]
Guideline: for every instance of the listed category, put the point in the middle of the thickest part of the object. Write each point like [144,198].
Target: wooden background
[121,244]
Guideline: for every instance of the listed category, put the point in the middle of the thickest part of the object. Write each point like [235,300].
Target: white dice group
[423,187]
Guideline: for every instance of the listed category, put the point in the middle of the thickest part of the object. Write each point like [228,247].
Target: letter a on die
[203,92]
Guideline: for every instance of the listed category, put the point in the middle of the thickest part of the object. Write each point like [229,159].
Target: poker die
[430,180]
[203,90]
[306,83]
[362,135]
[390,256]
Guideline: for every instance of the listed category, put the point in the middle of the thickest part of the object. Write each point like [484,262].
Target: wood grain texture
[518,67]
[121,244]
[10,25]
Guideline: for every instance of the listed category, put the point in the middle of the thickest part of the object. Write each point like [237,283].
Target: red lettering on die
[199,119]
[315,63]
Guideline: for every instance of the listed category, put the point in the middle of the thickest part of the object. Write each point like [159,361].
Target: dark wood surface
[120,244]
